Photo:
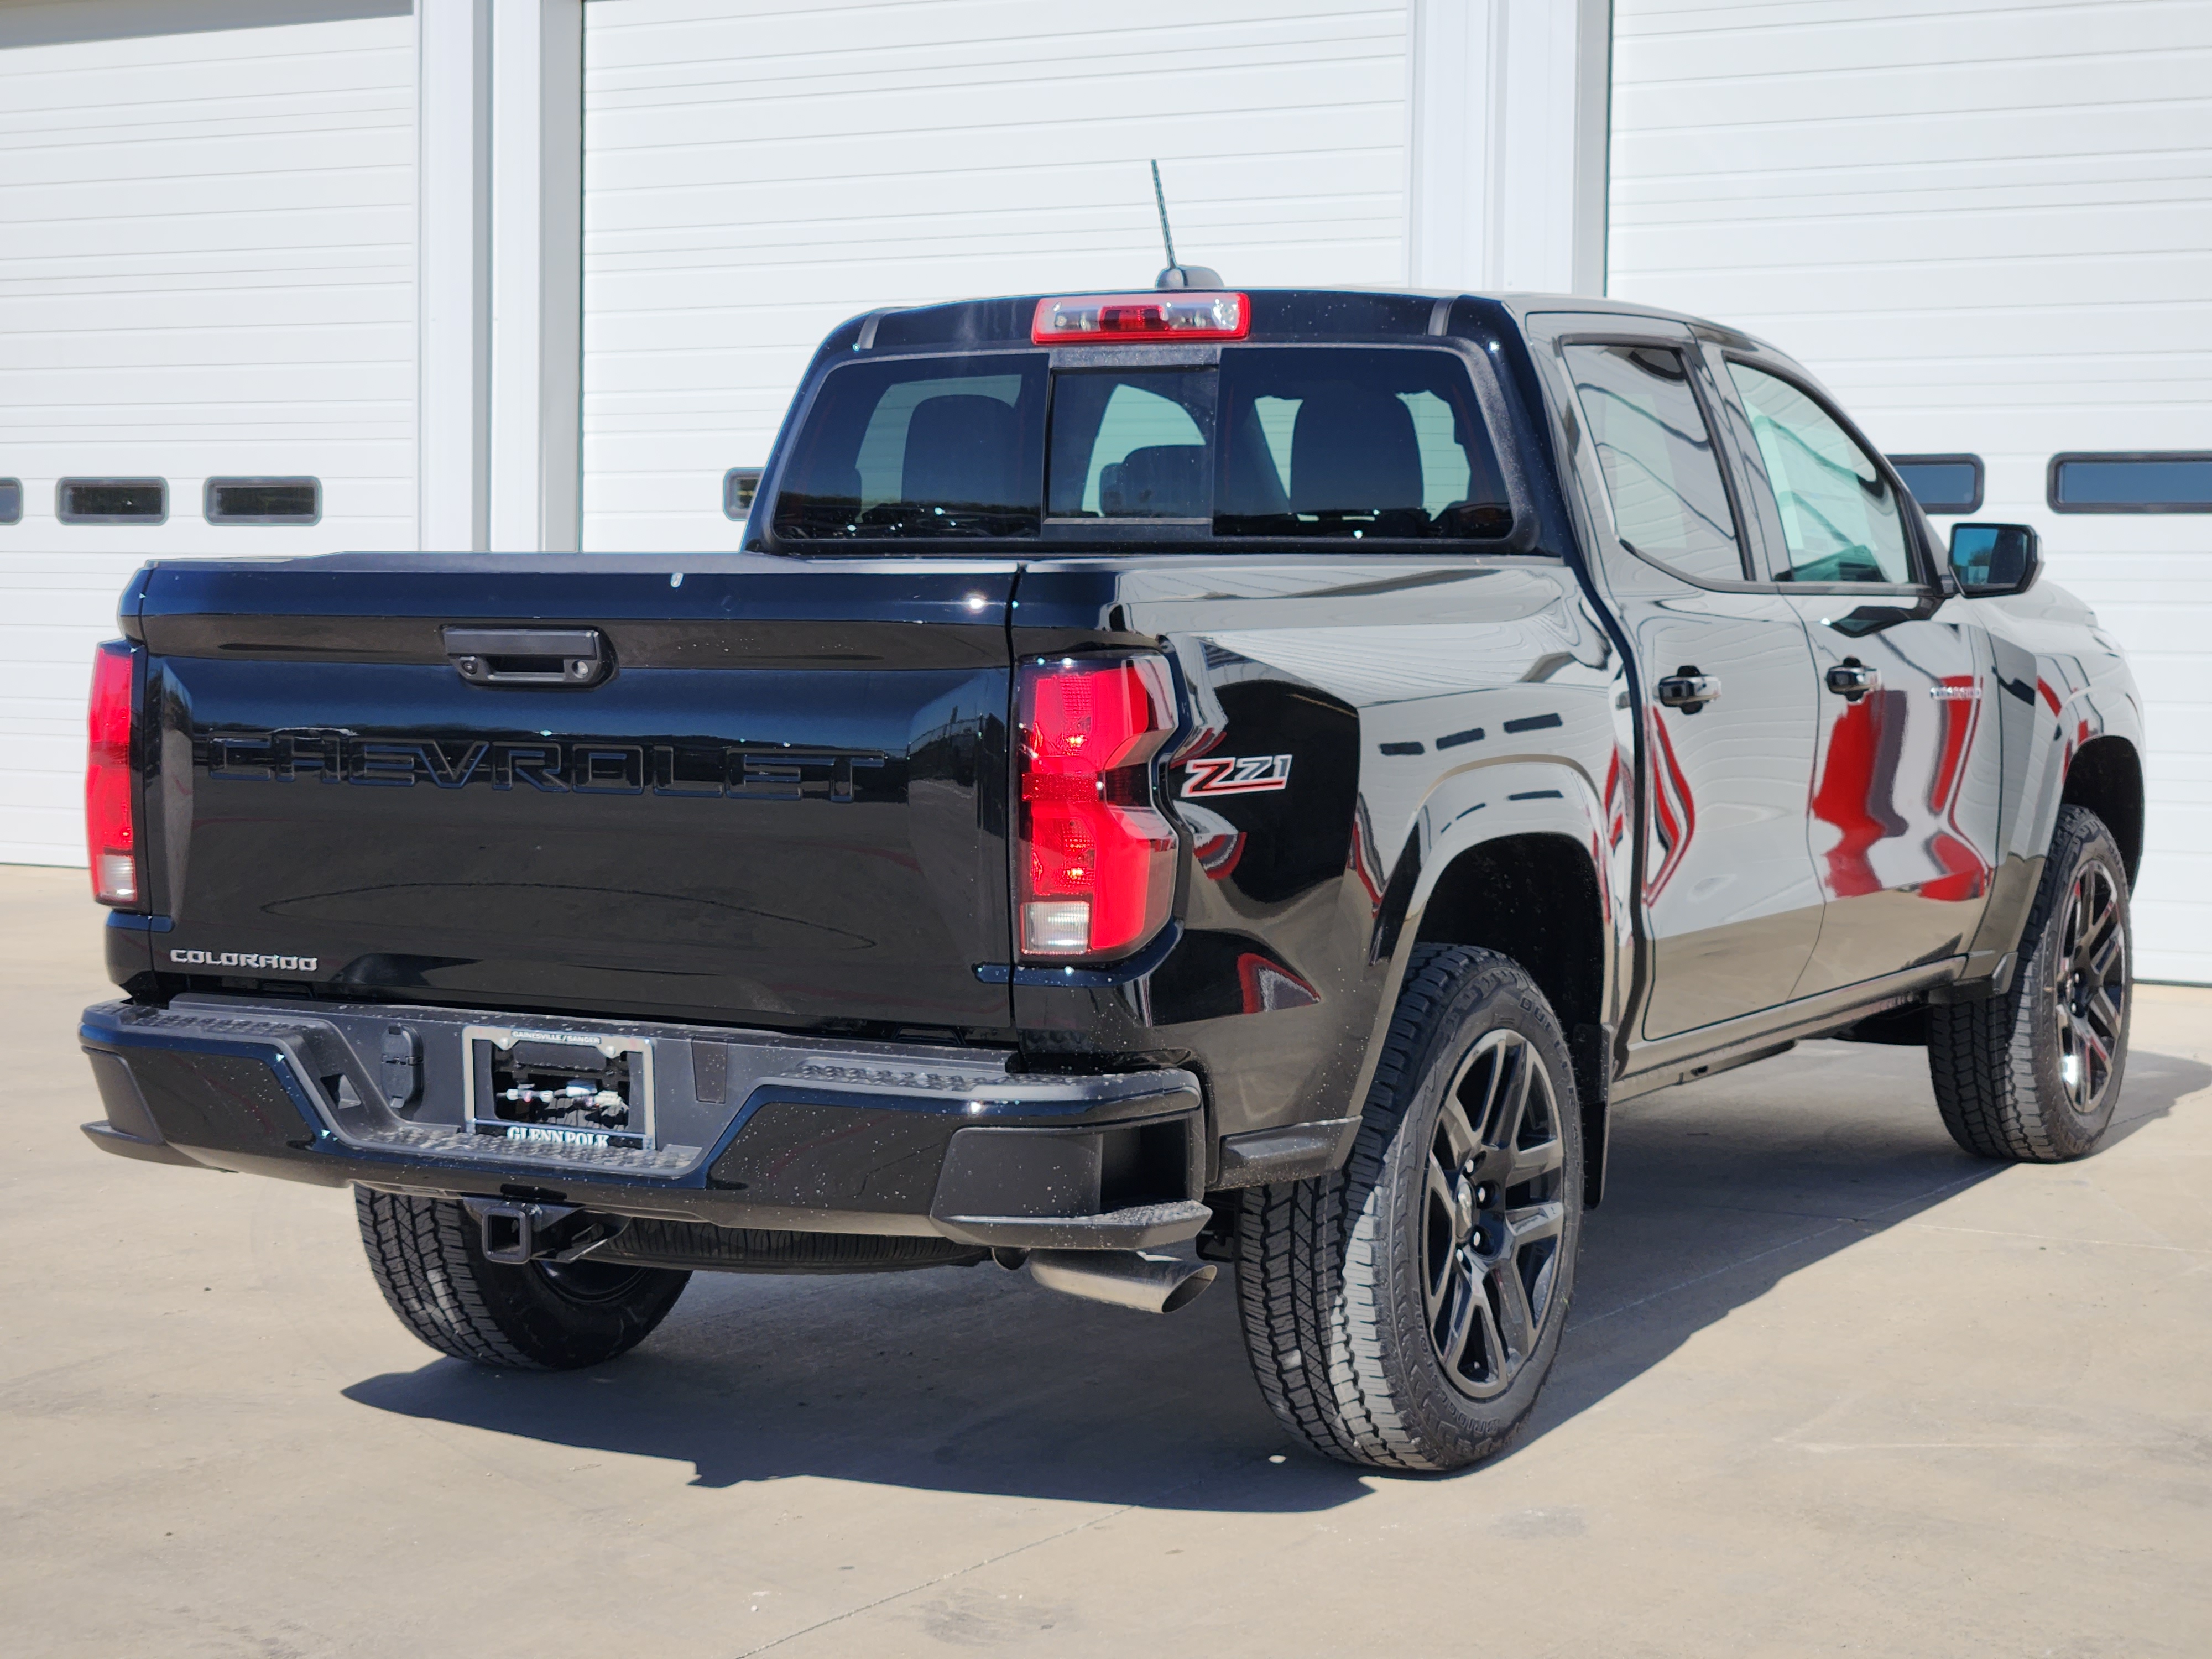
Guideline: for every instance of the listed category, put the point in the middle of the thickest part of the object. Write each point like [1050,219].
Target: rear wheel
[427,1257]
[1403,1312]
[2033,1076]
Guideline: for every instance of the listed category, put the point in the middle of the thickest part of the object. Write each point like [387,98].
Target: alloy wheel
[2089,991]
[1493,1210]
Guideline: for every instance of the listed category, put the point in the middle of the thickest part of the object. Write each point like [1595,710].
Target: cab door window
[1841,521]
[1652,443]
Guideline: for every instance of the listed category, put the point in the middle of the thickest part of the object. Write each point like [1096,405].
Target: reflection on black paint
[1214,975]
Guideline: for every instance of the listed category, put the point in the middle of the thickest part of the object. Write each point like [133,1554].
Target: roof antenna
[1177,275]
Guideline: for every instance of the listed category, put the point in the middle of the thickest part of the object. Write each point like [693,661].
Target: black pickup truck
[1170,779]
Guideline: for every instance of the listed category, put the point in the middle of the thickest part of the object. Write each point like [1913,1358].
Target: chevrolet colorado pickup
[1170,779]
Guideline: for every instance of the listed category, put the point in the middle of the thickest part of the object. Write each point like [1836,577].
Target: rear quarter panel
[1427,706]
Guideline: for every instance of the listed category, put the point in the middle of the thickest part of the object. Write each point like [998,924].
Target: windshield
[1277,441]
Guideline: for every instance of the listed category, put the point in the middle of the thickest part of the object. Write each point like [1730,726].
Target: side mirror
[1988,559]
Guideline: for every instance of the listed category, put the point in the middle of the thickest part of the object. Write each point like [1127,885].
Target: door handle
[1687,690]
[529,656]
[1851,679]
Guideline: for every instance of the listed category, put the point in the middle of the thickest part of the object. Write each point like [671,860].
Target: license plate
[549,1089]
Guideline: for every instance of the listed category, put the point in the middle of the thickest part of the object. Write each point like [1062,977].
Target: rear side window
[1656,453]
[922,447]
[1353,442]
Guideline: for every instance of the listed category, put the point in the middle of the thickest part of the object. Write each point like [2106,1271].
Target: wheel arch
[1538,896]
[2106,776]
[1534,896]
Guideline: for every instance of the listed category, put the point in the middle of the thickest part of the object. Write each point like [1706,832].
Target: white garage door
[207,249]
[750,181]
[1989,227]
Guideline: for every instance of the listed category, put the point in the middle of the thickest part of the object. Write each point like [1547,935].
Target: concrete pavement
[1831,1386]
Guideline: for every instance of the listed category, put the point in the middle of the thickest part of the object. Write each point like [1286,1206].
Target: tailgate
[784,803]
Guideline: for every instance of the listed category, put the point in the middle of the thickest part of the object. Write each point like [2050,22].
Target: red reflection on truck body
[1857,795]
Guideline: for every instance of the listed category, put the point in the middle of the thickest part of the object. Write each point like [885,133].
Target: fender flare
[1481,804]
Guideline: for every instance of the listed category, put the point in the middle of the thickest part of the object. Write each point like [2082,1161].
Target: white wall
[1989,228]
[207,254]
[752,179]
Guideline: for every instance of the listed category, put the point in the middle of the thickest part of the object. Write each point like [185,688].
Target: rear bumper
[750,1128]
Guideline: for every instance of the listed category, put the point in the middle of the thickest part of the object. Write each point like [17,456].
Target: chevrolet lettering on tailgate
[552,768]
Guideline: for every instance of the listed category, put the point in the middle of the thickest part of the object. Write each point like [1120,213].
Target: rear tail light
[111,797]
[1097,860]
[1131,317]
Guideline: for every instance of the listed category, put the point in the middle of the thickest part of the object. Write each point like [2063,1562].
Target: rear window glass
[922,447]
[1132,444]
[1343,441]
[1277,443]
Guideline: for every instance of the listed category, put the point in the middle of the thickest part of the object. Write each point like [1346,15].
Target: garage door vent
[1942,483]
[111,501]
[2150,481]
[263,500]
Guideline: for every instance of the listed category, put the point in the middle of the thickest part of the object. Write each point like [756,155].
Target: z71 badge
[1235,775]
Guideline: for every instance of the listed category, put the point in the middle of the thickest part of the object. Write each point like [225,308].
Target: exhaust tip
[1192,1288]
[1125,1278]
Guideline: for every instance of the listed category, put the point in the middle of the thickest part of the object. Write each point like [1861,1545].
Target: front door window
[1841,521]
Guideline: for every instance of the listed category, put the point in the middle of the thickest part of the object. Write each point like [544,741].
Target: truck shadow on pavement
[976,1381]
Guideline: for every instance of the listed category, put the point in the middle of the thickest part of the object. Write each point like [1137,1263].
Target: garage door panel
[1921,147]
[750,182]
[791,43]
[1989,228]
[207,241]
[1840,39]
[1963,237]
[2055,285]
[109,152]
[1924,185]
[845,137]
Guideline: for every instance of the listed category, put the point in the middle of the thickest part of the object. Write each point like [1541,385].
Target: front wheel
[428,1255]
[2033,1076]
[1404,1311]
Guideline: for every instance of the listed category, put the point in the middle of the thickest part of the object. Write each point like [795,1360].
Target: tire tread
[1981,1057]
[1312,1259]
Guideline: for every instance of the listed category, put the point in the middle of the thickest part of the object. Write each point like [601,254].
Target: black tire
[2033,1076]
[427,1257]
[1353,1286]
